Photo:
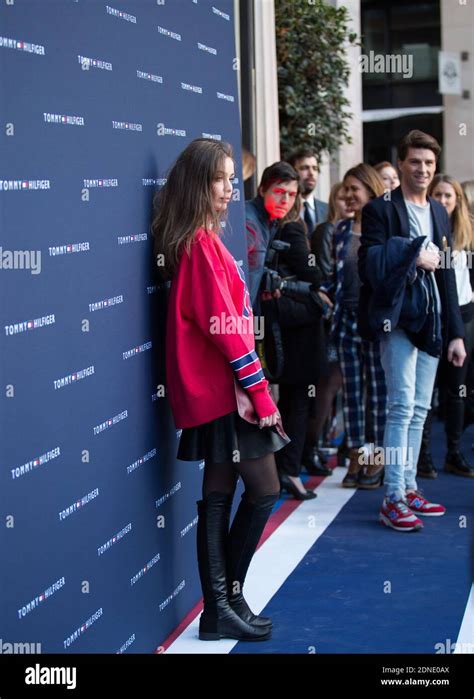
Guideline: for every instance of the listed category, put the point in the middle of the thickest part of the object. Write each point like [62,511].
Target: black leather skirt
[221,439]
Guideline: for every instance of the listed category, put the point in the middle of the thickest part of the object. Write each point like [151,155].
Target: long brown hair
[462,221]
[468,189]
[369,177]
[332,209]
[184,204]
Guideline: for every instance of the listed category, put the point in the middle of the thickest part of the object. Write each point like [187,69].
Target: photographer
[276,201]
[294,336]
[299,311]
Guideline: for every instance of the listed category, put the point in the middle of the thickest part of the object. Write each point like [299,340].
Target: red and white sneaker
[417,503]
[397,516]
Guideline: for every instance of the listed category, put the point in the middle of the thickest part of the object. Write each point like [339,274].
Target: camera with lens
[288,285]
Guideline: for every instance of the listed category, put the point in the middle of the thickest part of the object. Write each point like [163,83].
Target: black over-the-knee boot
[247,528]
[218,619]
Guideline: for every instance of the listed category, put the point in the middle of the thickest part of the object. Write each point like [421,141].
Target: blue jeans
[409,376]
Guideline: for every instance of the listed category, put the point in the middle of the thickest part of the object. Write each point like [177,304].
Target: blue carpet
[363,588]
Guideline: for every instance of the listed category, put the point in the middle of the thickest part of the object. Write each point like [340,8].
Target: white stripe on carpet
[465,642]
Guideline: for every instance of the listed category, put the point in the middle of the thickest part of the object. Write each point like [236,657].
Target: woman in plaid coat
[363,377]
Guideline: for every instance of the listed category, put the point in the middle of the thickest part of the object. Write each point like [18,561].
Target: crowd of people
[360,248]
[369,296]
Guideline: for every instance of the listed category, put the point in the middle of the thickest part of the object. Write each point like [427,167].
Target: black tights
[260,477]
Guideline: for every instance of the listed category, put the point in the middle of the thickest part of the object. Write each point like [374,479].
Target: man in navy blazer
[410,358]
[314,210]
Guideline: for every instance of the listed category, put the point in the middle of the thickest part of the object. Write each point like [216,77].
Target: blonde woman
[449,193]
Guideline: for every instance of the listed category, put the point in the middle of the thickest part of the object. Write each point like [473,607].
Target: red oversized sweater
[209,337]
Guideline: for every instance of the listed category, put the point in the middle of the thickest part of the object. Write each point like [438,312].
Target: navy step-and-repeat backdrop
[97,100]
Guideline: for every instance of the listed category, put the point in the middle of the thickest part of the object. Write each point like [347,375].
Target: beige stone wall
[266,86]
[457,34]
[348,154]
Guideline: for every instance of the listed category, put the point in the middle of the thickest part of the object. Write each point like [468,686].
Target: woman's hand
[270,420]
[325,299]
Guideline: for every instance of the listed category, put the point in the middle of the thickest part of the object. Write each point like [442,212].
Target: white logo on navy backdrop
[127,126]
[143,459]
[87,63]
[114,539]
[224,15]
[106,303]
[136,350]
[66,119]
[169,494]
[110,422]
[25,325]
[135,578]
[7,43]
[121,15]
[89,183]
[127,644]
[209,49]
[83,628]
[133,238]
[153,181]
[35,463]
[36,601]
[191,88]
[73,378]
[163,130]
[68,248]
[149,76]
[222,96]
[167,32]
[23,185]
[78,504]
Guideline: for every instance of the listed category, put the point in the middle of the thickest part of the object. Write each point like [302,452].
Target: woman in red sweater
[210,356]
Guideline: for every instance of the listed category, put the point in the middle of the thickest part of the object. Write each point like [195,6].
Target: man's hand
[456,352]
[428,260]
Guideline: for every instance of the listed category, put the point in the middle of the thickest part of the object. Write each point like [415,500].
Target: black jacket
[304,347]
[403,297]
[322,247]
[382,219]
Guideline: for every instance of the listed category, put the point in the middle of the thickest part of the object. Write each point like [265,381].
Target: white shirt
[463,280]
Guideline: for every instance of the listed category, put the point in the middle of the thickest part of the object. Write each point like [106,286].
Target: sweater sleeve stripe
[252,379]
[244,360]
